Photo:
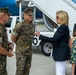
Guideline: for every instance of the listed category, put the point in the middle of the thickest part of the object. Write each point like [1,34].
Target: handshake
[11,47]
[37,34]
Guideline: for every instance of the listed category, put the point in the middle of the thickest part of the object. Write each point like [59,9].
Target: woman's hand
[37,34]
[10,54]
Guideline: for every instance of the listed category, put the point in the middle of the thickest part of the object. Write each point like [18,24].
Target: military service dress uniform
[24,34]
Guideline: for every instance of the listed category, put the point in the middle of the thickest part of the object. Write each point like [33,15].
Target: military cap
[28,11]
[5,10]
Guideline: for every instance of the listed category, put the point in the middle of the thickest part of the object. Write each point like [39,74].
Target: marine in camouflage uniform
[24,34]
[4,44]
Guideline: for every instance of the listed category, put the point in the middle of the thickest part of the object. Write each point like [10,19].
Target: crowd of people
[64,47]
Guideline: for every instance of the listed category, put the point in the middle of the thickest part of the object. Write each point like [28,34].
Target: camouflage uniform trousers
[3,68]
[23,64]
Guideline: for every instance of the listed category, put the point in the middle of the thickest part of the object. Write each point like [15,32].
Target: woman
[60,42]
[73,50]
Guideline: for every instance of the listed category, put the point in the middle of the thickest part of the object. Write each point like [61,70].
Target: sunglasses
[57,17]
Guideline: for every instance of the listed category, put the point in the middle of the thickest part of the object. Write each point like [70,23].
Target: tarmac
[41,65]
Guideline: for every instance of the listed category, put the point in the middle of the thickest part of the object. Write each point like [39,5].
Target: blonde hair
[64,16]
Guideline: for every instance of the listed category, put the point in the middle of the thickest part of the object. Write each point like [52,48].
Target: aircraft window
[9,23]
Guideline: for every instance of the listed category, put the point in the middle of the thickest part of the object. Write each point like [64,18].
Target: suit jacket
[60,42]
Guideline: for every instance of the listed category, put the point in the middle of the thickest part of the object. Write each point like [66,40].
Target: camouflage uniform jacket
[24,34]
[3,40]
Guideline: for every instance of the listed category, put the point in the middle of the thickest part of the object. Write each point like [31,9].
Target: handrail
[72,3]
